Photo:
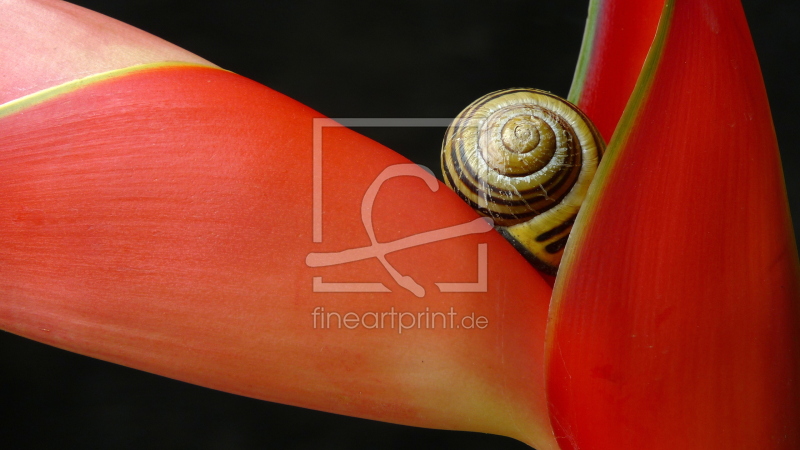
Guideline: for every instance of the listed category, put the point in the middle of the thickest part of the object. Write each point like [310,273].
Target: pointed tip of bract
[616,41]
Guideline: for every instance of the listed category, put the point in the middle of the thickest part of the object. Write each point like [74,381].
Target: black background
[418,58]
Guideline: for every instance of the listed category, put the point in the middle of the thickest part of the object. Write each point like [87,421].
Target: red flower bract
[686,332]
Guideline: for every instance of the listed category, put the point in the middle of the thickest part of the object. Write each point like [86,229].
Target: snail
[524,158]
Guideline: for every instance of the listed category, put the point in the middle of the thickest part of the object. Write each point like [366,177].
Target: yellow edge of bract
[38,97]
[585,57]
[615,148]
[640,92]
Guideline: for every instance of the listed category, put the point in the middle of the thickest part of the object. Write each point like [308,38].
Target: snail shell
[524,158]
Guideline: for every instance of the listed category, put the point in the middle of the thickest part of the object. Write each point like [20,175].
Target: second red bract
[674,321]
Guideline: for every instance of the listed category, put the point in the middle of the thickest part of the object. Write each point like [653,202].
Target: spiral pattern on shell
[525,158]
